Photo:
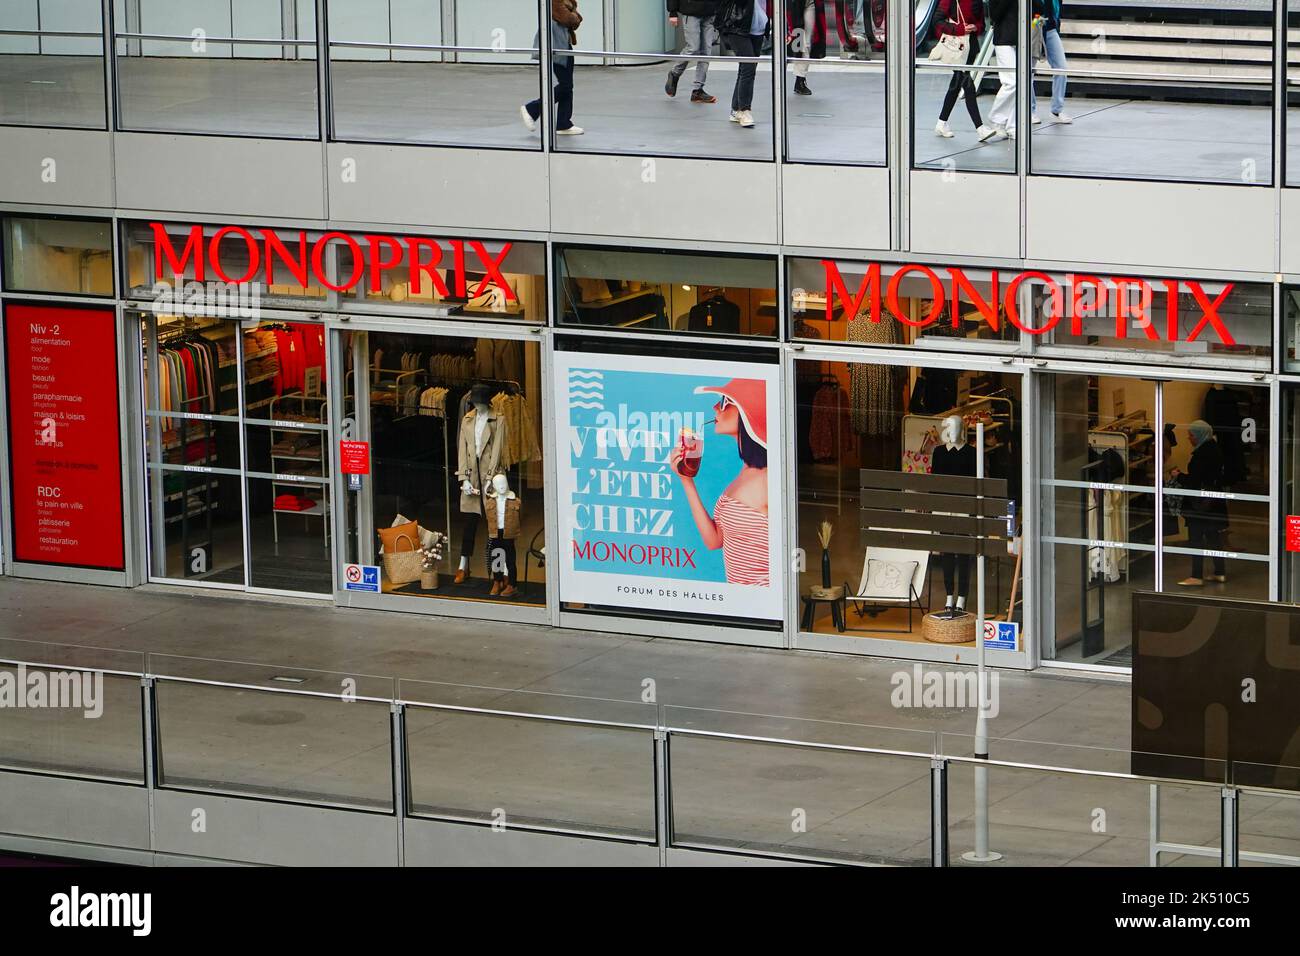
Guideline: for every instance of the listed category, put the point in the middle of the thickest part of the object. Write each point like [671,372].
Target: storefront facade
[669,442]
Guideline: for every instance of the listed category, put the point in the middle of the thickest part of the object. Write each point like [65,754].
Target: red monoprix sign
[419,257]
[64,436]
[1076,298]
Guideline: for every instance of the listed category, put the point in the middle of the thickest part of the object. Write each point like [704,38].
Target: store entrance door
[411,537]
[1148,485]
[237,453]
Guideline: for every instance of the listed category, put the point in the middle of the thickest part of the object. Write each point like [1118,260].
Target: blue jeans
[1055,51]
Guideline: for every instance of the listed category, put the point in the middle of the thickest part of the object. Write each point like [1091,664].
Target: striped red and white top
[744,541]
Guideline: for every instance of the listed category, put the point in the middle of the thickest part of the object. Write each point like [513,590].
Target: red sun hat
[750,396]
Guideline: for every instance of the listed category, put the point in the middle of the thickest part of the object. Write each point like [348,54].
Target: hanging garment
[715,314]
[875,391]
[830,436]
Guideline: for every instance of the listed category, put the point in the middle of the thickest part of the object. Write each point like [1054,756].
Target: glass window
[58,255]
[52,64]
[439,72]
[1148,486]
[1292,157]
[632,101]
[667,292]
[473,500]
[246,69]
[1291,329]
[873,303]
[1210,322]
[835,104]
[488,280]
[1128,91]
[861,415]
[964,86]
[1290,504]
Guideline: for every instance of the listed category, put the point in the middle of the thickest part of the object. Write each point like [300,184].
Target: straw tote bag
[403,567]
[952,49]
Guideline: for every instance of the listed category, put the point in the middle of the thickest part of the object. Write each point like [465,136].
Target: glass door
[1147,485]
[236,453]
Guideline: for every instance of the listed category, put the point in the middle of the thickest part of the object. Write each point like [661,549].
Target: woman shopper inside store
[1207,518]
[738,524]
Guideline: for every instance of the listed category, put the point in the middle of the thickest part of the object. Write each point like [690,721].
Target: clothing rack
[824,380]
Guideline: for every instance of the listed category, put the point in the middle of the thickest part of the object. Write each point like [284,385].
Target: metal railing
[627,772]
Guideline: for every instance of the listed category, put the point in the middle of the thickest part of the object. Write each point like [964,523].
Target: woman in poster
[738,524]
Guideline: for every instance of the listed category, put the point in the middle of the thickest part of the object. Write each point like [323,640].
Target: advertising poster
[669,485]
[64,436]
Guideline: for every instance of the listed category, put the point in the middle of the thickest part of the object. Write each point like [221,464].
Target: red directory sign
[64,436]
[354,457]
[1293,532]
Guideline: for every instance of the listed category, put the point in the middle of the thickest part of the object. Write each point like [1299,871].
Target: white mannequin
[952,432]
[482,410]
[501,493]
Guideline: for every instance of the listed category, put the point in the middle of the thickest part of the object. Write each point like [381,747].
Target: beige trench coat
[478,470]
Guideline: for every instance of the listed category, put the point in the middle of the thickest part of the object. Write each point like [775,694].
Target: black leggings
[1206,536]
[956,566]
[961,80]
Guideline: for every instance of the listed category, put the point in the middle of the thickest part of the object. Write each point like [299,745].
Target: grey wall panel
[463,189]
[679,199]
[965,214]
[220,175]
[74,811]
[1180,226]
[66,167]
[1291,230]
[836,207]
[437,843]
[277,834]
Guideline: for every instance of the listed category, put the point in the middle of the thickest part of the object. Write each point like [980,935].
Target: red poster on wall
[64,436]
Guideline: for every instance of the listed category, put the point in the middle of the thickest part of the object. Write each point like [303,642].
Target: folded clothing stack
[293,503]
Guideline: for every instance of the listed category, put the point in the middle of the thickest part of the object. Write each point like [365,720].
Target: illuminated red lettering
[1078,308]
[1054,311]
[430,268]
[378,264]
[163,249]
[835,289]
[276,249]
[318,261]
[254,254]
[938,298]
[492,269]
[987,309]
[1139,312]
[1210,313]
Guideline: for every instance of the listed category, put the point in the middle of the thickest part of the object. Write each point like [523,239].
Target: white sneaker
[528,120]
[746,119]
[735,116]
[571,131]
[1038,120]
[987,133]
[1063,117]
[1009,133]
[941,128]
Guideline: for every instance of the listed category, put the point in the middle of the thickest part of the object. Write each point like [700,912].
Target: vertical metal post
[1153,828]
[546,79]
[938,811]
[399,778]
[899,51]
[982,853]
[1228,844]
[150,752]
[663,811]
[365,516]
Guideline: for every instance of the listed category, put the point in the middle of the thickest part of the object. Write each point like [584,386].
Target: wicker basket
[403,567]
[942,630]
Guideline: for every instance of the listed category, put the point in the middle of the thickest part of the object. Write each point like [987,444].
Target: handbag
[403,567]
[952,49]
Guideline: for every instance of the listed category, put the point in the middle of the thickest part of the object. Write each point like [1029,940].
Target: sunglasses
[724,404]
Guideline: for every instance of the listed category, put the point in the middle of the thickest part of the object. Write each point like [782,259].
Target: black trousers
[468,533]
[961,81]
[563,95]
[1207,535]
[499,549]
[956,567]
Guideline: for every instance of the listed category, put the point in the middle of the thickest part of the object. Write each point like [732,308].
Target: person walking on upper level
[743,25]
[696,18]
[565,20]
[1006,36]
[1054,50]
[962,18]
